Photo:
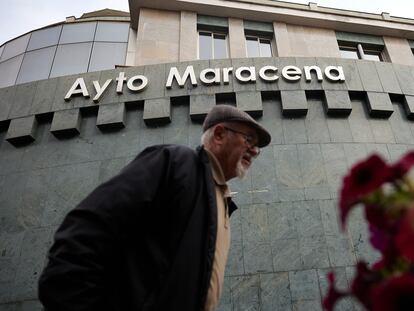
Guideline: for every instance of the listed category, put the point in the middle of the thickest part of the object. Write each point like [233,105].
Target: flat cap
[227,113]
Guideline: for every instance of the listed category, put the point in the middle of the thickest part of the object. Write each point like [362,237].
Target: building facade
[79,99]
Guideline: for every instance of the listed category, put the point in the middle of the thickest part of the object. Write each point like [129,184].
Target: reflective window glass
[44,37]
[79,32]
[9,70]
[265,48]
[36,65]
[15,47]
[205,46]
[220,46]
[252,47]
[113,32]
[1,50]
[106,55]
[348,53]
[372,55]
[71,59]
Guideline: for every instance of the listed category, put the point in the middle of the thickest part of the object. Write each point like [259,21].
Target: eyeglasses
[248,140]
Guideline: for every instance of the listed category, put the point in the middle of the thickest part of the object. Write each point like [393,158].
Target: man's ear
[218,133]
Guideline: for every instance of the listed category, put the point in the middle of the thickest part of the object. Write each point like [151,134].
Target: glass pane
[1,50]
[71,59]
[205,46]
[375,56]
[220,48]
[106,55]
[265,48]
[43,38]
[15,47]
[80,32]
[113,32]
[352,54]
[252,45]
[36,65]
[9,70]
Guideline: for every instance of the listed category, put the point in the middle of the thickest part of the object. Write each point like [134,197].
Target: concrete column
[237,40]
[131,49]
[398,50]
[280,42]
[188,36]
[158,37]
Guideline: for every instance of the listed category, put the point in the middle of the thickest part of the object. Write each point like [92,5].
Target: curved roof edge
[99,15]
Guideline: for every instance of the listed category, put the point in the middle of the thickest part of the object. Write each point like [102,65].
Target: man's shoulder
[174,152]
[171,149]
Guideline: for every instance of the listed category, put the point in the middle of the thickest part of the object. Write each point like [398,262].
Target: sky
[20,16]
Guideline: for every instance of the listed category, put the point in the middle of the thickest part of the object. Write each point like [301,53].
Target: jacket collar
[203,156]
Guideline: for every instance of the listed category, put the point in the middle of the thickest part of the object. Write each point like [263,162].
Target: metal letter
[291,73]
[189,71]
[250,78]
[262,73]
[78,87]
[339,73]
[214,80]
[121,79]
[132,87]
[308,70]
[226,72]
[99,90]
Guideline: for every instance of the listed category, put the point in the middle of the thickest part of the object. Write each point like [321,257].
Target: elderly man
[157,235]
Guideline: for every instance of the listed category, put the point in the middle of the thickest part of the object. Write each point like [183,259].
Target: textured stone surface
[337,103]
[315,122]
[405,78]
[369,76]
[388,78]
[250,102]
[43,98]
[409,106]
[22,130]
[23,99]
[285,235]
[200,105]
[359,124]
[66,122]
[111,116]
[379,104]
[157,111]
[294,103]
[352,78]
[6,101]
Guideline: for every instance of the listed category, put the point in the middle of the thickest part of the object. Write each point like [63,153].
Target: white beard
[241,170]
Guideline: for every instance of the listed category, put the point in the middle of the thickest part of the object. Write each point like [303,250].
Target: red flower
[402,167]
[405,236]
[380,239]
[333,295]
[375,214]
[394,294]
[363,282]
[364,178]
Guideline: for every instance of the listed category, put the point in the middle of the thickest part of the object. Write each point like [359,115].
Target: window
[348,52]
[36,65]
[212,45]
[106,55]
[258,47]
[71,59]
[361,52]
[361,46]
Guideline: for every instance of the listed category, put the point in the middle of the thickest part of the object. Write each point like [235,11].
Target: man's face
[238,152]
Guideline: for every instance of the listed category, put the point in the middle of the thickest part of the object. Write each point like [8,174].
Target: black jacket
[144,240]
